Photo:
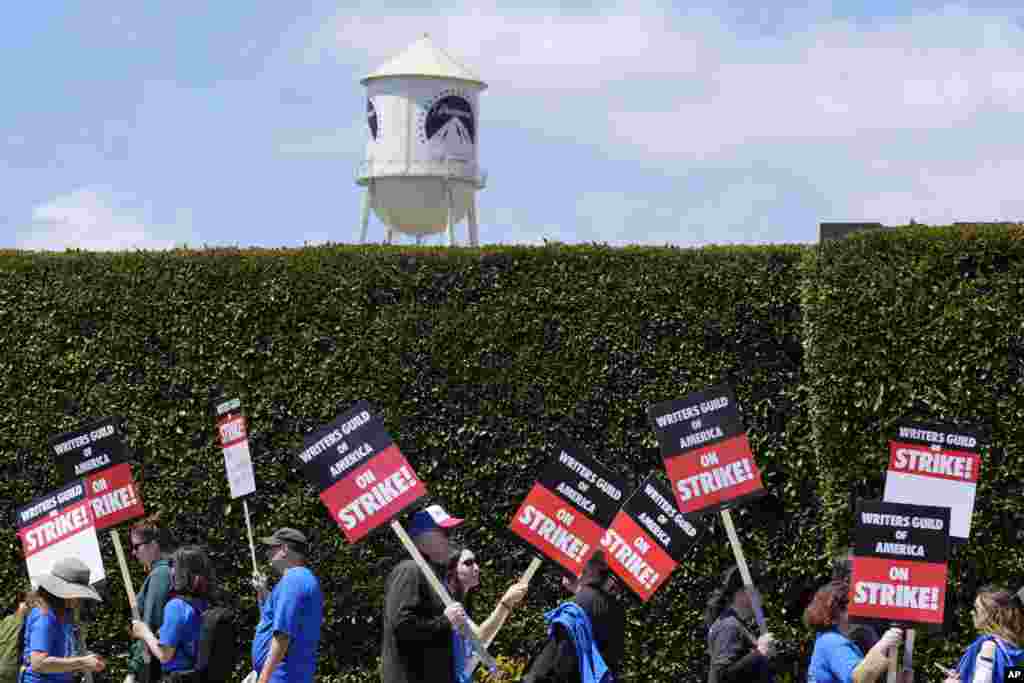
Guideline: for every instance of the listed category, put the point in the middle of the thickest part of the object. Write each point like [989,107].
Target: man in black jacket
[416,644]
[594,593]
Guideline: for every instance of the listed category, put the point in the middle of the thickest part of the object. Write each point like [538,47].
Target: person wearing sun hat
[284,648]
[50,653]
[416,642]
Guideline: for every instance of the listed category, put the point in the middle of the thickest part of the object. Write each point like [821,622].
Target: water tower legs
[474,229]
[451,214]
[367,202]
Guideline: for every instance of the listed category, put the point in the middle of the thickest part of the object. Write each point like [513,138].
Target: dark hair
[45,600]
[451,573]
[193,572]
[150,529]
[827,604]
[596,571]
[732,583]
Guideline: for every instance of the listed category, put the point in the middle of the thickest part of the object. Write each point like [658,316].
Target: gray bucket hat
[69,578]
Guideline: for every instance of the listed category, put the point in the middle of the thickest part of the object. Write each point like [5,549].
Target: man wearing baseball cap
[416,645]
[284,649]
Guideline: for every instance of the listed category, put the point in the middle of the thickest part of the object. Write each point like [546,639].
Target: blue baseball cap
[430,518]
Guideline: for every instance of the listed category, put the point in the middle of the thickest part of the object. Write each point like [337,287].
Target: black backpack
[218,652]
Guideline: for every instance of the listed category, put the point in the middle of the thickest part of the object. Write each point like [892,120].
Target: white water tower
[421,172]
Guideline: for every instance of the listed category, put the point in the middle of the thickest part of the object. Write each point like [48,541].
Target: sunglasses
[470,562]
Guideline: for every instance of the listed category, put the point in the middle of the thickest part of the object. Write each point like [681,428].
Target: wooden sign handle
[441,591]
[126,578]
[741,562]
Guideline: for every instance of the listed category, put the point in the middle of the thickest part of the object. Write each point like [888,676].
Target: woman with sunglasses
[999,618]
[153,546]
[463,576]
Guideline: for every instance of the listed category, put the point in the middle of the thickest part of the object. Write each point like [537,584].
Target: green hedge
[924,323]
[477,359]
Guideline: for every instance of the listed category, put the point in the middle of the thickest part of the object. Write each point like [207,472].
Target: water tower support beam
[451,213]
[474,229]
[367,201]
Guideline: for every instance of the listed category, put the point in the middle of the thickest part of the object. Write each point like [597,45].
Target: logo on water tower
[371,118]
[447,125]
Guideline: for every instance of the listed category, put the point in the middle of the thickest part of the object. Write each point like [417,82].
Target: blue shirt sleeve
[42,635]
[843,658]
[172,631]
[288,609]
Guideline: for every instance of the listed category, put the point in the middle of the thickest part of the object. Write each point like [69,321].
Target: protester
[586,634]
[284,649]
[177,648]
[153,546]
[10,631]
[999,618]
[836,658]
[734,653]
[52,649]
[863,635]
[416,642]
[462,577]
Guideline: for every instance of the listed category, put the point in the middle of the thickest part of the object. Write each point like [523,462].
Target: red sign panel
[714,475]
[636,557]
[373,494]
[557,529]
[113,497]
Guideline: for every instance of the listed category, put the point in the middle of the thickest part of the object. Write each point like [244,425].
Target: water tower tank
[421,170]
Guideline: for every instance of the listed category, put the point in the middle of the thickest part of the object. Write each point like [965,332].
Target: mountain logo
[371,118]
[448,125]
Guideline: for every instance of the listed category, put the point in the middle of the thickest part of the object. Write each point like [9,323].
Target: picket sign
[741,562]
[527,576]
[441,591]
[232,432]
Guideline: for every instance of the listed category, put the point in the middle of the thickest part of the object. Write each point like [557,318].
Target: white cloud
[95,219]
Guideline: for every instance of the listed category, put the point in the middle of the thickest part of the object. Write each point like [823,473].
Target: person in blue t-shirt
[836,658]
[999,618]
[51,653]
[177,647]
[284,648]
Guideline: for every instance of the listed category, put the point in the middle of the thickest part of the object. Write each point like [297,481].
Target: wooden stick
[908,650]
[126,578]
[527,576]
[248,525]
[81,640]
[894,656]
[741,562]
[440,591]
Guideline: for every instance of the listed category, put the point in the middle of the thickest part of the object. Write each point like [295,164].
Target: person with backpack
[153,546]
[284,648]
[586,634]
[51,647]
[734,653]
[177,647]
[999,617]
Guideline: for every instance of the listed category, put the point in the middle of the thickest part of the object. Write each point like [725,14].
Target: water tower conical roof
[423,58]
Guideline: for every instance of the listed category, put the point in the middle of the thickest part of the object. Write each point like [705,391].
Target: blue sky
[131,124]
